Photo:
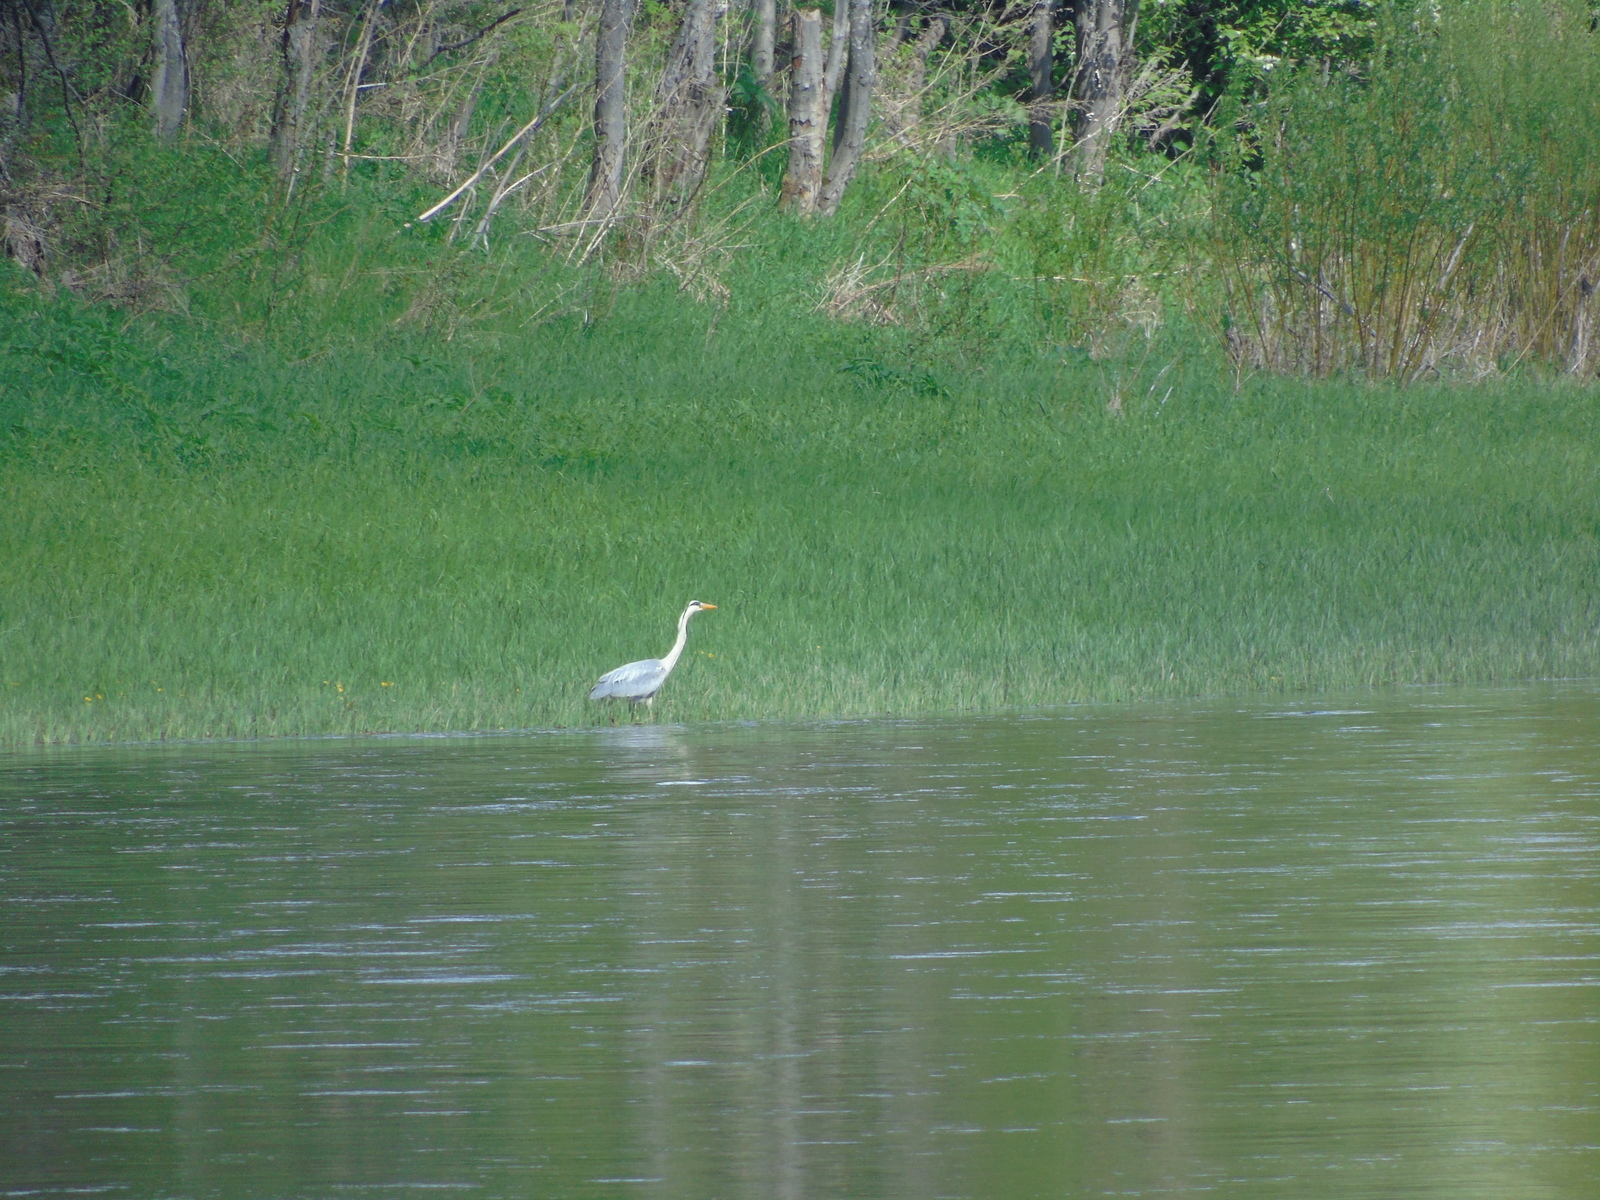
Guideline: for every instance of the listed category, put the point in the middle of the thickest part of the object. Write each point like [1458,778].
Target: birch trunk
[169,85]
[808,119]
[838,45]
[1105,31]
[294,93]
[610,107]
[855,107]
[1041,71]
[761,46]
[689,101]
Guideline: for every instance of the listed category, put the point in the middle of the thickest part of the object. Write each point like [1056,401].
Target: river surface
[1250,949]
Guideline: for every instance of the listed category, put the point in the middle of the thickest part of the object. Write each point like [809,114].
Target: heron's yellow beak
[704,605]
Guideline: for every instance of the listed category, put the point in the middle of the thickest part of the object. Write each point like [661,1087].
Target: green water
[1326,949]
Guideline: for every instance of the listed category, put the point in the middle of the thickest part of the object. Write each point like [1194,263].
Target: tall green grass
[215,538]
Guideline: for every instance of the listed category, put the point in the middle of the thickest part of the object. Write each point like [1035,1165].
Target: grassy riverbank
[218,540]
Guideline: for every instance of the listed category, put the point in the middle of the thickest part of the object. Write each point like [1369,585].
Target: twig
[1319,286]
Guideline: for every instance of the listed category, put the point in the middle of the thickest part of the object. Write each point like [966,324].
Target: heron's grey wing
[633,681]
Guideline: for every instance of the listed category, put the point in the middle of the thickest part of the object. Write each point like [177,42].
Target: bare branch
[462,45]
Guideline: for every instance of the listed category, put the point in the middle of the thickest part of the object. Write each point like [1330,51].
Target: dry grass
[885,293]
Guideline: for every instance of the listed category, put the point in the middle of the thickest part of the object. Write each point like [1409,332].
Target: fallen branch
[498,155]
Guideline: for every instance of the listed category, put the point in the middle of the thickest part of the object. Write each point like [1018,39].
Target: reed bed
[254,546]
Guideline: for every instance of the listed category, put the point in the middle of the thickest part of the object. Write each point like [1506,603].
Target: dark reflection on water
[1296,951]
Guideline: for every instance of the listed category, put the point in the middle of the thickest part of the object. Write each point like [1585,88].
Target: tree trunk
[169,87]
[358,67]
[938,26]
[904,12]
[808,119]
[761,45]
[294,93]
[1041,71]
[855,107]
[902,113]
[610,107]
[838,44]
[688,101]
[1105,31]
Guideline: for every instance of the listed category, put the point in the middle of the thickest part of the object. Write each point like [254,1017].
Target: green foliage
[875,375]
[1234,47]
[755,117]
[948,204]
[1436,214]
[1097,260]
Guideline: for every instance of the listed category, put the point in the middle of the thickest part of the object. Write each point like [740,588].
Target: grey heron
[641,680]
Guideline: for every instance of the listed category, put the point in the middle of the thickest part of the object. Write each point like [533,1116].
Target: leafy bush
[1438,213]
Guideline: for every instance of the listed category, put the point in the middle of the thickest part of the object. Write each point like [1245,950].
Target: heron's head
[696,606]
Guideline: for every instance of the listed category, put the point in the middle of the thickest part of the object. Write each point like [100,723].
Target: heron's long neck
[671,660]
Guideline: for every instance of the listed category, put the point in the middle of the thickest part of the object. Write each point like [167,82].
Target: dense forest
[406,364]
[1398,189]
